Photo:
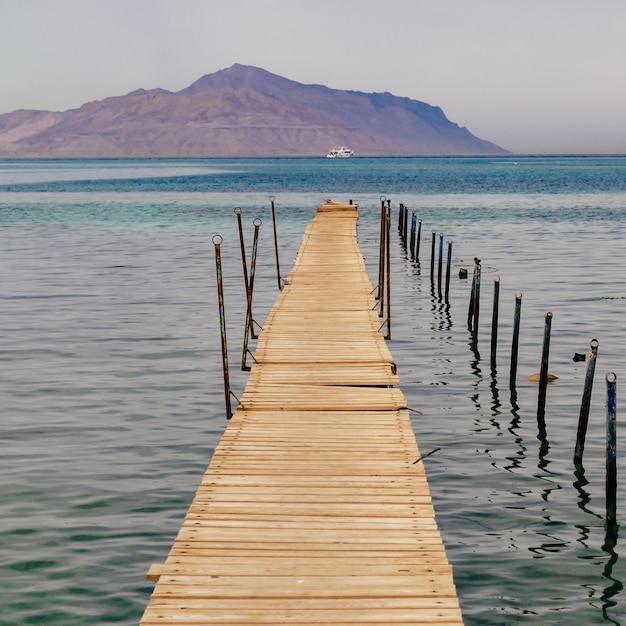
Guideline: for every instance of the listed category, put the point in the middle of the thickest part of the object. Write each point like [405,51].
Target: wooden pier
[313,510]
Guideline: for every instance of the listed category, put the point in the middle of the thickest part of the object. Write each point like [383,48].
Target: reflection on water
[584,498]
[616,586]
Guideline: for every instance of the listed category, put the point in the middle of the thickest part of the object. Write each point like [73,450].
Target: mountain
[239,111]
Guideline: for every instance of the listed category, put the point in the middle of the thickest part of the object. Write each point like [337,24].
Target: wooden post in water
[474,305]
[515,342]
[417,241]
[432,257]
[494,320]
[611,449]
[448,268]
[477,297]
[543,372]
[440,266]
[412,237]
[583,418]
[470,308]
[405,225]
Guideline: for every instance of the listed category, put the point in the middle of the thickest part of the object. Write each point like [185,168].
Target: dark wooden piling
[473,311]
[418,240]
[432,257]
[405,225]
[543,372]
[611,448]
[515,341]
[440,265]
[448,270]
[494,320]
[583,418]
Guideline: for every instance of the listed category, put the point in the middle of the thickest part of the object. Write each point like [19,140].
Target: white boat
[339,152]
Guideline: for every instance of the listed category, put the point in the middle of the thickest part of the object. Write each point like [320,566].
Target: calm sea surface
[111,384]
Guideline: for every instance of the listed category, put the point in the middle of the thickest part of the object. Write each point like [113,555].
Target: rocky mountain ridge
[239,111]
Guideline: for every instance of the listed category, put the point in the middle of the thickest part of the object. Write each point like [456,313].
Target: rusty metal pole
[243,248]
[217,241]
[381,250]
[255,244]
[280,284]
[388,263]
[385,225]
[249,331]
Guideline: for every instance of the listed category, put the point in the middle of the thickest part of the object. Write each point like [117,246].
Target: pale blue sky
[534,76]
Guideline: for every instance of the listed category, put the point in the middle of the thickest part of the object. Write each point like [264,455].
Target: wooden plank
[276,566]
[328,586]
[313,510]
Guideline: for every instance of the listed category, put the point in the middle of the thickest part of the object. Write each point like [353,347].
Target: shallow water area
[112,384]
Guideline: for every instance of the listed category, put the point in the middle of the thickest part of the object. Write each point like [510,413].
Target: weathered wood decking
[312,510]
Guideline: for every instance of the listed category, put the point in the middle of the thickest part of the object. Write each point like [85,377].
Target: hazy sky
[534,76]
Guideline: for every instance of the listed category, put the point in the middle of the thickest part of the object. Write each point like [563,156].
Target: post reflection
[583,495]
[616,586]
[517,460]
[495,393]
[544,444]
[440,309]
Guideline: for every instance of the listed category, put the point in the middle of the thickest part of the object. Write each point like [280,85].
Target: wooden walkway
[312,510]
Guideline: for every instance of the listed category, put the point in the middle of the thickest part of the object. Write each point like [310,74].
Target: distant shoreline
[507,156]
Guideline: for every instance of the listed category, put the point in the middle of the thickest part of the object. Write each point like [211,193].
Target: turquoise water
[111,385]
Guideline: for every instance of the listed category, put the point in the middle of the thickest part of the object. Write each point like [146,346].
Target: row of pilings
[410,232]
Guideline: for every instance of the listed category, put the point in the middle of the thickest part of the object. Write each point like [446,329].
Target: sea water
[111,379]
